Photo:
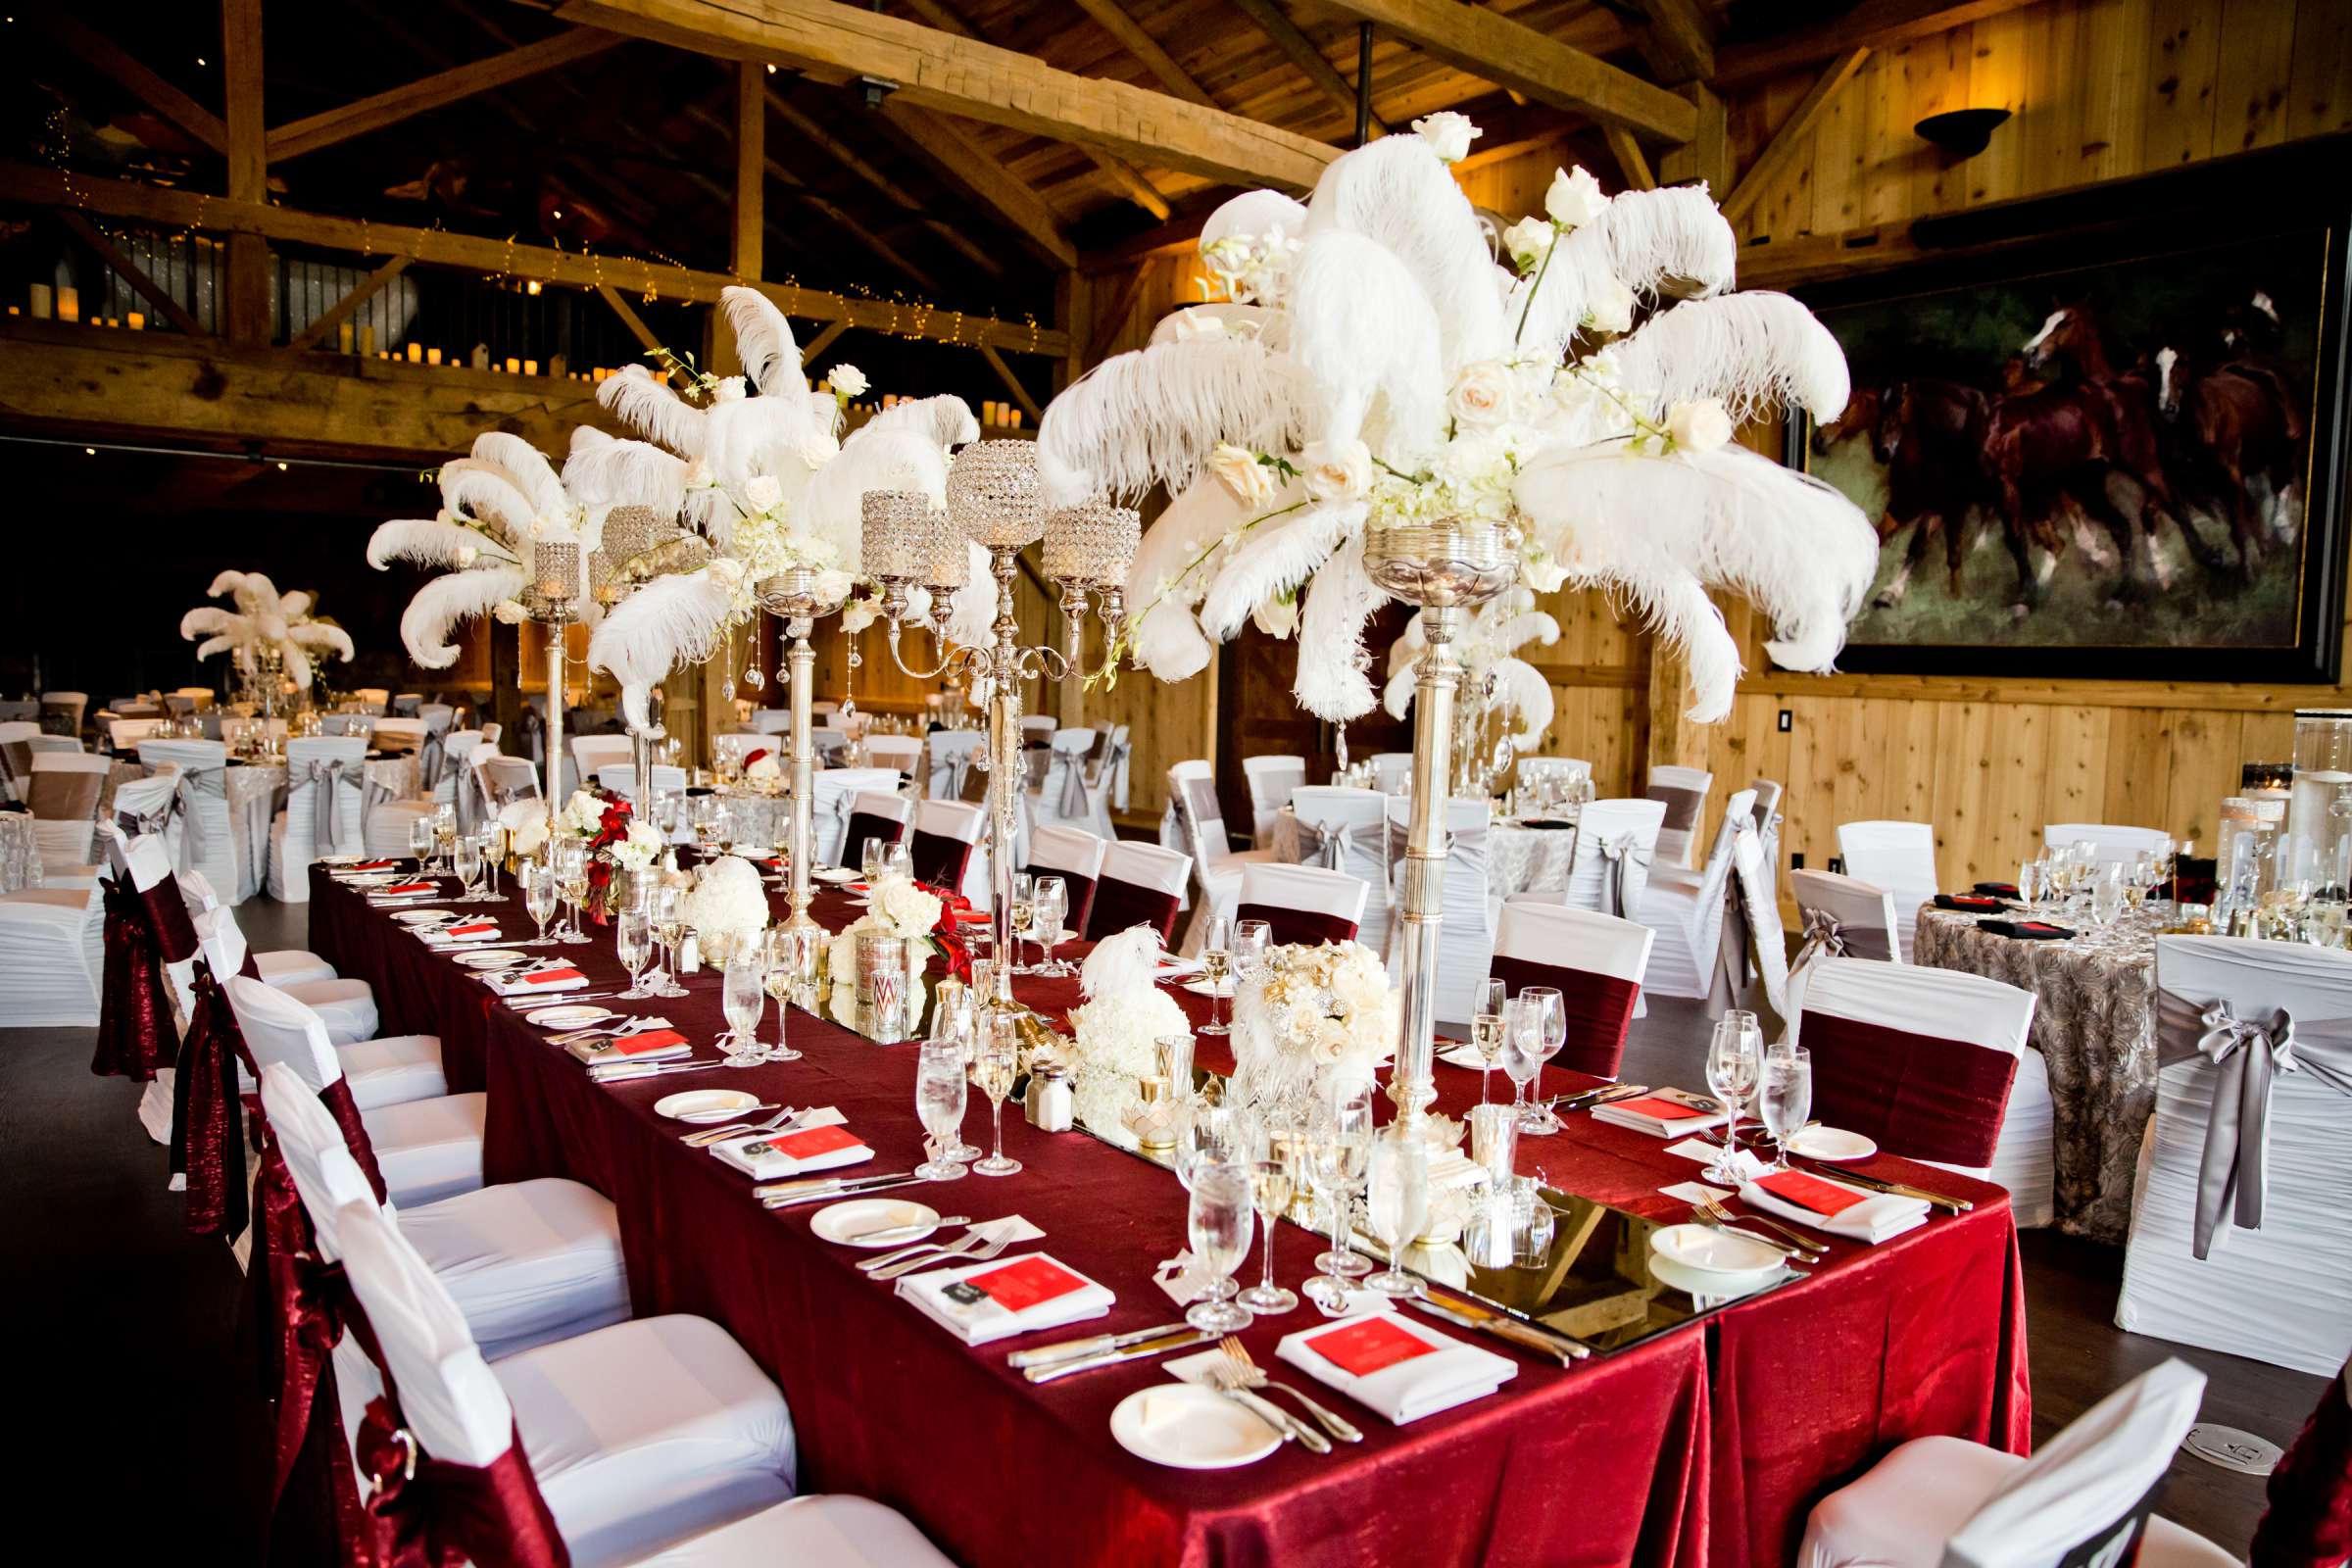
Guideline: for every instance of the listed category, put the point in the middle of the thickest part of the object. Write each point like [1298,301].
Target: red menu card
[374,865]
[815,1141]
[549,977]
[414,887]
[475,929]
[1017,1286]
[1362,1349]
[1825,1199]
[650,1040]
[1656,1105]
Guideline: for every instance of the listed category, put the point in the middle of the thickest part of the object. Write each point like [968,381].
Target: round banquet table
[257,790]
[2094,1025]
[1519,859]
[20,852]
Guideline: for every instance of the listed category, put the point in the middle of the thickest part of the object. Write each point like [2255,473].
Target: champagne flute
[571,861]
[995,1063]
[633,944]
[467,861]
[1486,1031]
[779,973]
[1024,915]
[954,1022]
[1216,964]
[445,832]
[496,838]
[670,929]
[421,844]
[869,860]
[1522,1052]
[1786,1099]
[1274,1180]
[1216,1228]
[1050,902]
[1340,1136]
[1735,1061]
[940,1097]
[1400,1204]
[539,900]
[744,998]
[1551,1033]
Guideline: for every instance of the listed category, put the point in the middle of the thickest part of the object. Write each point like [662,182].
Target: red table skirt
[1705,1445]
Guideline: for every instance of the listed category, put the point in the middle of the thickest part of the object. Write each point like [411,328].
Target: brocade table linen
[1519,859]
[20,852]
[1699,1447]
[2094,1025]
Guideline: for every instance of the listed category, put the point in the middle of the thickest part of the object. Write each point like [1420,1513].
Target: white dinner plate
[832,873]
[1210,987]
[1701,1283]
[1832,1144]
[694,1105]
[1190,1428]
[573,1015]
[491,958]
[844,1223]
[1725,1265]
[1464,1054]
[425,916]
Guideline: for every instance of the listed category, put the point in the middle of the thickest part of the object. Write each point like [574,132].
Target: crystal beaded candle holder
[896,523]
[629,532]
[994,496]
[1089,546]
[946,561]
[555,570]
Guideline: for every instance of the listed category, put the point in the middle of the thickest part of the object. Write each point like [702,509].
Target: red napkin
[971,917]
[857,887]
[815,1141]
[1825,1199]
[1663,1110]
[414,887]
[1017,1286]
[650,1040]
[475,929]
[548,977]
[1362,1349]
[374,865]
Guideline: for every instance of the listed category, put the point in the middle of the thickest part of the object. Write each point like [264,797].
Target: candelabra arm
[898,656]
[555,622]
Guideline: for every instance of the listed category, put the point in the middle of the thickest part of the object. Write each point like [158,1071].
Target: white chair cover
[968,824]
[66,790]
[1062,795]
[1309,888]
[1900,857]
[1845,918]
[1392,771]
[1608,870]
[905,753]
[951,753]
[16,756]
[1686,912]
[1575,939]
[1272,780]
[61,711]
[213,839]
[591,754]
[1342,828]
[347,1007]
[52,957]
[772,720]
[1193,801]
[833,798]
[1768,836]
[1466,912]
[1135,873]
[2243,1160]
[326,794]
[2111,844]
[1684,791]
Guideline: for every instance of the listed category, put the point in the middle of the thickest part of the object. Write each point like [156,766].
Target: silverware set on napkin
[784,1120]
[973,1247]
[1795,1245]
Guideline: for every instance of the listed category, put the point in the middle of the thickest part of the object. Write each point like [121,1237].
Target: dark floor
[159,1408]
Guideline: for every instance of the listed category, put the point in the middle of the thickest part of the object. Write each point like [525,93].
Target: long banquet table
[1705,1445]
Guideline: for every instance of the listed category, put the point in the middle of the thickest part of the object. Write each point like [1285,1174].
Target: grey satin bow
[1072,765]
[1615,856]
[192,780]
[325,775]
[1824,933]
[431,758]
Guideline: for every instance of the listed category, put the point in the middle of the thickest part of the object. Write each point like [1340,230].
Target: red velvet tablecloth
[1704,1446]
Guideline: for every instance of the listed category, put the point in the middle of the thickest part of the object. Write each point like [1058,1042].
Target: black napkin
[2027,930]
[1544,823]
[14,806]
[1997,890]
[1968,904]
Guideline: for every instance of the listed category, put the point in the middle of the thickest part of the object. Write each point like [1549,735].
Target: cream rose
[909,909]
[729,390]
[508,612]
[1609,306]
[529,834]
[848,380]
[1483,394]
[1449,135]
[1528,240]
[466,555]
[1277,617]
[639,849]
[1699,427]
[1194,326]
[761,493]
[1574,198]
[1240,471]
[1337,470]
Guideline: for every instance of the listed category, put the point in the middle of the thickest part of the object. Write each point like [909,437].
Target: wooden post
[246,317]
[506,684]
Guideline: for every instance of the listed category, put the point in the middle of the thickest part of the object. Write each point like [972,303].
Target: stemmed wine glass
[1024,916]
[1486,1031]
[1786,1100]
[1551,1033]
[445,833]
[421,844]
[1522,1052]
[1049,901]
[1250,940]
[869,860]
[940,1096]
[898,859]
[954,1016]
[467,862]
[1734,1062]
[995,1061]
[745,999]
[779,973]
[1217,1229]
[1338,1136]
[495,837]
[571,870]
[633,944]
[539,900]
[1274,1178]
[1400,1203]
[1216,966]
[669,904]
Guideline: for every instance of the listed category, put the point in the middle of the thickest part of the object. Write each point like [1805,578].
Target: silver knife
[1526,1336]
[1181,1340]
[1094,1344]
[1275,1416]
[787,1200]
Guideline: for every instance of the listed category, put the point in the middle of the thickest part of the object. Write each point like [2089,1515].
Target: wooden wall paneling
[2319,89]
[1937,81]
[2178,119]
[2257,62]
[2115,55]
[1998,54]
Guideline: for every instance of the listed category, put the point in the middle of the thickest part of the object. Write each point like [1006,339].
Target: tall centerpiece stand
[791,595]
[994,500]
[554,586]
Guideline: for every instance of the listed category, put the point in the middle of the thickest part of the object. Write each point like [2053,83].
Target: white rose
[508,612]
[907,907]
[697,475]
[858,616]
[1240,471]
[1574,198]
[465,556]
[1449,135]
[1337,470]
[1194,326]
[1609,306]
[531,833]
[764,493]
[728,390]
[1541,573]
[1699,427]
[1483,394]
[1528,240]
[726,573]
[848,380]
[833,586]
[1277,617]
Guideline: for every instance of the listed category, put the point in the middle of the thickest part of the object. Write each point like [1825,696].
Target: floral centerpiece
[727,907]
[1115,1028]
[901,907]
[1315,1017]
[762,772]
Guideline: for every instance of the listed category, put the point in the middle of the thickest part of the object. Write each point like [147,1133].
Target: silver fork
[1790,1256]
[965,1252]
[1251,1376]
[917,1249]
[619,1031]
[750,1129]
[1227,1380]
[1796,1239]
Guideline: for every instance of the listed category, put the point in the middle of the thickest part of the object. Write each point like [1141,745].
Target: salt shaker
[1049,1105]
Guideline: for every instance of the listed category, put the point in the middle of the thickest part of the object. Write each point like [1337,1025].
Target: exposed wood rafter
[1632,162]
[1136,41]
[1300,51]
[817,134]
[977,172]
[1012,382]
[1679,43]
[436,91]
[246,299]
[821,342]
[103,53]
[647,338]
[1788,143]
[323,325]
[1872,24]
[131,273]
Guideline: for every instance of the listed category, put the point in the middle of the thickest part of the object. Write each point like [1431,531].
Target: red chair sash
[336,1098]
[167,915]
[939,859]
[1079,889]
[1599,1008]
[864,825]
[136,1031]
[1298,927]
[1119,905]
[431,1513]
[208,1131]
[1916,1095]
[2309,1521]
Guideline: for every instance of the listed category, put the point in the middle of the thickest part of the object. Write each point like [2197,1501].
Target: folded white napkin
[660,1044]
[459,934]
[1393,1378]
[1649,1113]
[1878,1216]
[1006,1297]
[1747,1162]
[543,982]
[818,1142]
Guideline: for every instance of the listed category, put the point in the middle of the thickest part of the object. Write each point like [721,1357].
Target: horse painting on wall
[2122,467]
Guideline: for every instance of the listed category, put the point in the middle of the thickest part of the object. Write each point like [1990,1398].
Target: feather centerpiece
[263,620]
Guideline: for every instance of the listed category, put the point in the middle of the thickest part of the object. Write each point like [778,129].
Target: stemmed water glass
[1217,1230]
[571,872]
[2032,884]
[1339,1136]
[995,1061]
[1274,1180]
[467,860]
[940,1096]
[1250,940]
[954,1016]
[745,998]
[539,900]
[421,844]
[1784,1102]
[1734,1062]
[668,907]
[1049,901]
[1522,1052]
[1216,966]
[869,860]
[1551,1033]
[633,944]
[2107,893]
[1486,1031]
[898,860]
[445,833]
[1400,1204]
[1024,916]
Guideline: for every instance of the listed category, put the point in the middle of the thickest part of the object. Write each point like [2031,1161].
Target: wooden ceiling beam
[1132,37]
[175,209]
[1872,24]
[977,172]
[964,76]
[96,50]
[821,342]
[1516,56]
[1679,43]
[1632,162]
[436,91]
[1788,143]
[1296,46]
[815,132]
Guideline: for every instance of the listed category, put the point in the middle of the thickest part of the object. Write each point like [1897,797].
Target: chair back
[1141,884]
[941,846]
[1392,771]
[1076,856]
[325,1176]
[144,805]
[1609,866]
[821,711]
[874,815]
[1062,794]
[1272,780]
[61,711]
[178,707]
[1595,962]
[831,803]
[125,735]
[1038,728]
[444,756]
[620,778]
[1845,918]
[1900,857]
[1767,810]
[278,1029]
[772,721]
[952,751]
[376,700]
[1920,1060]
[1684,792]
[437,717]
[734,747]
[2111,844]
[408,705]
[326,781]
[905,753]
[2085,1498]
[401,733]
[510,779]
[591,754]
[208,839]
[1302,904]
[1193,792]
[20,710]
[361,724]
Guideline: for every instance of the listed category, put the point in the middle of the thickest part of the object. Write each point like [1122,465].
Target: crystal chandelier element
[994,495]
[1090,545]
[898,523]
[945,564]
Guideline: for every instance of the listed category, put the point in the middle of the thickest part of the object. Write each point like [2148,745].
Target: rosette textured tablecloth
[2094,1025]
[1519,859]
[1702,1445]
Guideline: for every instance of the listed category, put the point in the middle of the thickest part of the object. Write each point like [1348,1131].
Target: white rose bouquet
[1115,1029]
[898,908]
[1316,1014]
[726,901]
[640,846]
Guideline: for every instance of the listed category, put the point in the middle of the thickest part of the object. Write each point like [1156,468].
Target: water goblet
[898,860]
[1400,1204]
[467,860]
[1049,901]
[633,944]
[1250,940]
[1217,1230]
[1785,1100]
[1024,916]
[744,998]
[1734,1062]
[539,900]
[1339,1142]
[940,1097]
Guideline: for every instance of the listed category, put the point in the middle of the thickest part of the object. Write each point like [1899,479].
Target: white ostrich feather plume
[1523,689]
[1277,556]
[207,621]
[764,339]
[426,541]
[1397,192]
[1676,232]
[974,624]
[1271,327]
[1202,514]
[1123,964]
[651,409]
[488,492]
[1755,351]
[876,457]
[770,435]
[324,635]
[442,604]
[1151,417]
[1332,682]
[1168,642]
[602,473]
[947,419]
[669,621]
[526,465]
[1254,214]
[1363,330]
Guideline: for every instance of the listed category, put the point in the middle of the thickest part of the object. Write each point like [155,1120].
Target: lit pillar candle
[416,353]
[367,342]
[513,366]
[68,304]
[529,367]
[136,321]
[432,356]
[346,337]
[40,302]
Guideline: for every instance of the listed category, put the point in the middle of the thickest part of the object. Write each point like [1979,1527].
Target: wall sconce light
[1961,132]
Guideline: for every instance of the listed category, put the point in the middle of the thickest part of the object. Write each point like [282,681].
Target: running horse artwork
[2123,469]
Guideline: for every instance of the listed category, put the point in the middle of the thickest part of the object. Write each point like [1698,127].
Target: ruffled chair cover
[1682,791]
[1900,857]
[215,839]
[1303,905]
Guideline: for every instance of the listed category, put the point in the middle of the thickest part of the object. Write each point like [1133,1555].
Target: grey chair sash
[1824,937]
[1681,805]
[193,781]
[16,768]
[2247,1055]
[325,775]
[1071,765]
[1615,855]
[1113,753]
[1751,924]
[432,760]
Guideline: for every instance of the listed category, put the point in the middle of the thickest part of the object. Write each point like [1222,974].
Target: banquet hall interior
[1398,781]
